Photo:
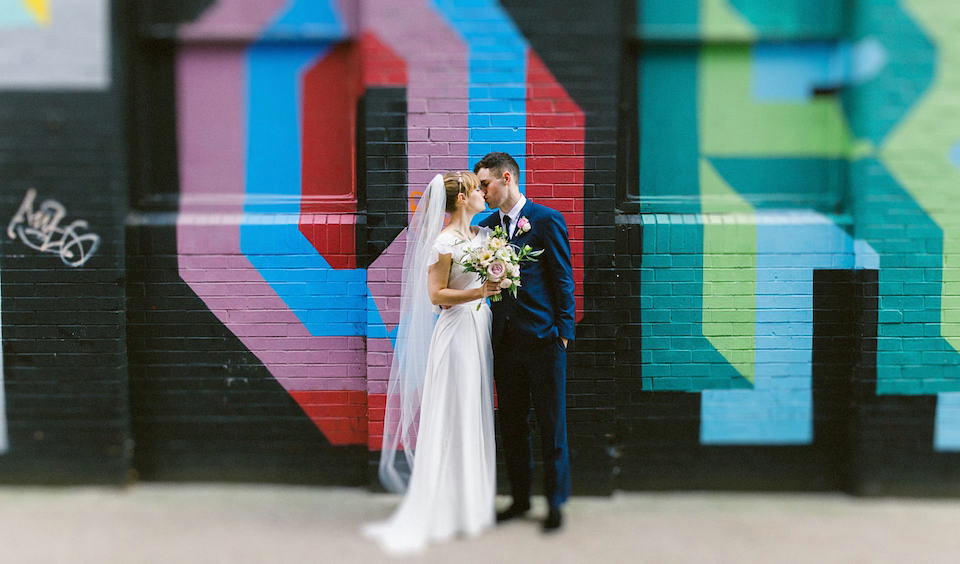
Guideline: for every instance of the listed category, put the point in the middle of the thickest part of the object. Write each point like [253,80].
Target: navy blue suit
[530,361]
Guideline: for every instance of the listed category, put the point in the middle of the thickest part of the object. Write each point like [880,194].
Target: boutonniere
[523,224]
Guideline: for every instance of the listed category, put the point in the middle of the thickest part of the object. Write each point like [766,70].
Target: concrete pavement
[187,523]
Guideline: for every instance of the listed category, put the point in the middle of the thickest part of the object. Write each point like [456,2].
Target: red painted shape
[340,415]
[381,66]
[331,90]
[328,194]
[555,158]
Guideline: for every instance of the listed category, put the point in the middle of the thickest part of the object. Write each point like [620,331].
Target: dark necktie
[506,225]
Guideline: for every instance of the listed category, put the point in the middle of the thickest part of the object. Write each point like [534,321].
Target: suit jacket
[544,306]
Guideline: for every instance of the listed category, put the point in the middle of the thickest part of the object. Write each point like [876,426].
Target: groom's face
[494,187]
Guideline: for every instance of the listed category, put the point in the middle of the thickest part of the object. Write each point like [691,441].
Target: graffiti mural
[758,189]
[776,166]
[64,412]
[40,230]
[267,231]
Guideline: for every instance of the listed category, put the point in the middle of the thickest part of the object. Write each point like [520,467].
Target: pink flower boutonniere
[523,224]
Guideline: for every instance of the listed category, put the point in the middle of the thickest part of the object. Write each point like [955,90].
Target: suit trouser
[526,368]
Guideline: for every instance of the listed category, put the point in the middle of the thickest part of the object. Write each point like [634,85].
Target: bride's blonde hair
[456,183]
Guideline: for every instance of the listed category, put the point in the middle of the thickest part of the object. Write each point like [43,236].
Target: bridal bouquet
[499,261]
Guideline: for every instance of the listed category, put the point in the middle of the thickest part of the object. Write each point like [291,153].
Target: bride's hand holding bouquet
[498,261]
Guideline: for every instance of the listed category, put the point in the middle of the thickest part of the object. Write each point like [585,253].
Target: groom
[530,336]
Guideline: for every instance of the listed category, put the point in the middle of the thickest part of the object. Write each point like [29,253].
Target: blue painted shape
[789,72]
[310,18]
[955,154]
[497,69]
[328,302]
[779,410]
[867,258]
[946,429]
[868,60]
[14,13]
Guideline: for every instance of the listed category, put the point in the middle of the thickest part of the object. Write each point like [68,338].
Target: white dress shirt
[514,214]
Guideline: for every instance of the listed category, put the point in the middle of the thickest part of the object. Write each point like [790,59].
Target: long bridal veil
[417,320]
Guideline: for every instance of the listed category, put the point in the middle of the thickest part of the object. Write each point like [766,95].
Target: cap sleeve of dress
[442,246]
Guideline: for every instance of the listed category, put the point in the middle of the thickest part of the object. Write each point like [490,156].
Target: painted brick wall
[276,290]
[789,303]
[758,196]
[63,401]
[222,372]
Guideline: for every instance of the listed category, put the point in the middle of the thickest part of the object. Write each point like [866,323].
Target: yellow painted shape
[40,9]
[917,152]
[729,271]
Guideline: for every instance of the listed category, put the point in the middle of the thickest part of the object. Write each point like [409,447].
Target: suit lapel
[523,213]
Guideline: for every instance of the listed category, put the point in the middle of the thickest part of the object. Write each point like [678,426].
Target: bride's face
[475,202]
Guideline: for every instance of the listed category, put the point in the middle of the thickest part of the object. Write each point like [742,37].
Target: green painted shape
[719,20]
[781,182]
[734,124]
[794,18]
[917,153]
[729,285]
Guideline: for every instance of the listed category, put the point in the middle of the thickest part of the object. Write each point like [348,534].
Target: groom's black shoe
[554,520]
[515,510]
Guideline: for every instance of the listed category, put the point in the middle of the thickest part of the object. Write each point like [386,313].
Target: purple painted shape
[384,283]
[350,14]
[211,96]
[437,106]
[379,357]
[437,78]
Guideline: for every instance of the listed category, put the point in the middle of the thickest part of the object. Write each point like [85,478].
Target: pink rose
[496,270]
[523,224]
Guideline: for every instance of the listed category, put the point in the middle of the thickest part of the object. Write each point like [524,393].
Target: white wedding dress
[453,483]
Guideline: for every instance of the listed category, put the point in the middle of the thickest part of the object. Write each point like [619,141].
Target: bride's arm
[438,275]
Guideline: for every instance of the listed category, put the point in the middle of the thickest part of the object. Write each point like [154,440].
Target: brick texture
[765,278]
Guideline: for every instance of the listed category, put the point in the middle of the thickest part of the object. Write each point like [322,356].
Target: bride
[440,395]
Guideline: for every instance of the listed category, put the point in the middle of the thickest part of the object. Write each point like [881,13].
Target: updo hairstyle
[456,183]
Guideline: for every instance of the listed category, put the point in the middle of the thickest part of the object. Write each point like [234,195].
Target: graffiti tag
[41,230]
